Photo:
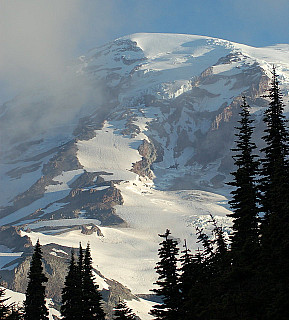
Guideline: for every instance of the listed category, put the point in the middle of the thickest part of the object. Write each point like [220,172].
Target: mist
[40,41]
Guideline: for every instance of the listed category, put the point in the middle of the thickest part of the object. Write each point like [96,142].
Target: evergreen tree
[123,312]
[79,285]
[92,308]
[275,205]
[274,182]
[206,294]
[194,295]
[34,305]
[241,300]
[168,280]
[220,257]
[70,293]
[245,238]
[191,274]
[186,272]
[3,307]
[15,313]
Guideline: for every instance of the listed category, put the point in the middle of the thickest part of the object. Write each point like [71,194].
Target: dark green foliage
[192,278]
[79,285]
[241,276]
[187,275]
[168,280]
[92,308]
[212,264]
[201,279]
[70,293]
[123,312]
[220,258]
[34,304]
[250,279]
[245,238]
[274,185]
[274,182]
[80,296]
[15,313]
[10,311]
[3,307]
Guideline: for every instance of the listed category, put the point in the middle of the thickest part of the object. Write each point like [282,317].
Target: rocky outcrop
[148,153]
[10,236]
[91,202]
[55,262]
[64,160]
[18,172]
[85,180]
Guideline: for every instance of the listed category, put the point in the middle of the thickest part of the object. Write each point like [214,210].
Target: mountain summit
[137,141]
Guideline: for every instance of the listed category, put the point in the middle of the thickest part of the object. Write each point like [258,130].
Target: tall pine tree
[241,302]
[245,238]
[123,312]
[168,280]
[70,293]
[80,296]
[274,181]
[34,305]
[92,308]
[275,206]
[191,274]
[186,272]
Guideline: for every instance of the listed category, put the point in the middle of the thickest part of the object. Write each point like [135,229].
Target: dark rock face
[148,153]
[90,229]
[64,160]
[10,237]
[55,262]
[90,202]
[18,172]
[97,204]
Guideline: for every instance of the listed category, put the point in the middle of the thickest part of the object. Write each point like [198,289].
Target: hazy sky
[253,22]
[39,37]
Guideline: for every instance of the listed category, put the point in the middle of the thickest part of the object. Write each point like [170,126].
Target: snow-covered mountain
[138,142]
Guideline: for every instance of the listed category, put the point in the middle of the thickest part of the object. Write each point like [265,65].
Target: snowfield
[130,254]
[18,298]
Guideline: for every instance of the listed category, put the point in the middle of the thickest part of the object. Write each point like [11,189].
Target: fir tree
[274,182]
[194,301]
[79,285]
[34,304]
[207,287]
[15,313]
[186,272]
[92,308]
[168,280]
[220,258]
[241,301]
[275,205]
[123,312]
[70,293]
[191,273]
[245,238]
[3,307]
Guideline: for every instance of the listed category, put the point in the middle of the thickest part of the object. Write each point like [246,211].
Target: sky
[252,22]
[39,38]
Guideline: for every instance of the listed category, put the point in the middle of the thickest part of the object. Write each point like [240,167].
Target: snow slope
[18,298]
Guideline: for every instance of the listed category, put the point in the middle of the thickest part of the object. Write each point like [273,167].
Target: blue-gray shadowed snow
[146,147]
